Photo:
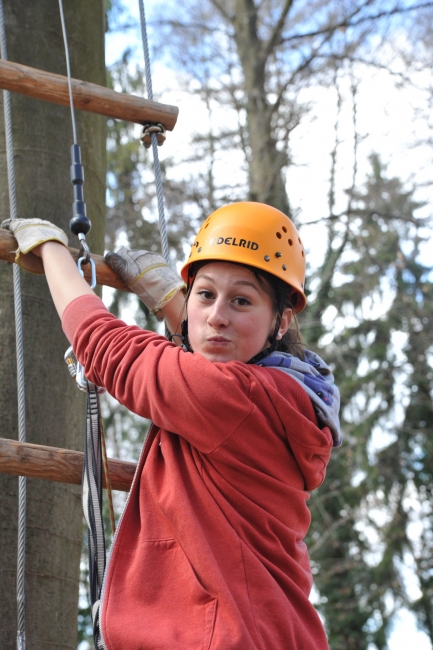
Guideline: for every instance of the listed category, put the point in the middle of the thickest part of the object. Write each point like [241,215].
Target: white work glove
[29,233]
[147,275]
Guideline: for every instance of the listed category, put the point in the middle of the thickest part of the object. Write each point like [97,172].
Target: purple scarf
[321,389]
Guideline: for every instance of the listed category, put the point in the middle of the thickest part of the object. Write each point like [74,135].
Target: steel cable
[21,632]
[154,138]
[68,70]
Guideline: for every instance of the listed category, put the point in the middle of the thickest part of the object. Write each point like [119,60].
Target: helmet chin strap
[183,336]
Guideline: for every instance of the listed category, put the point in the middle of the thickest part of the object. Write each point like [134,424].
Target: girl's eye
[242,302]
[207,295]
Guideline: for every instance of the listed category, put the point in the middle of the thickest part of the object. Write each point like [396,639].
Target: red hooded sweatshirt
[209,554]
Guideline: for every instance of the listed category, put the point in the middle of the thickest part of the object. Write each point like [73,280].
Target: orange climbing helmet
[257,235]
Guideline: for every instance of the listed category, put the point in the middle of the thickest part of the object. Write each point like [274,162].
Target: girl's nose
[218,315]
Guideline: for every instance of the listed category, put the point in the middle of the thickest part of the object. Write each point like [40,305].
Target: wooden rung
[104,275]
[51,87]
[60,465]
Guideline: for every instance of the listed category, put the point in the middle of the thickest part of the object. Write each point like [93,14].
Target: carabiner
[81,261]
[76,371]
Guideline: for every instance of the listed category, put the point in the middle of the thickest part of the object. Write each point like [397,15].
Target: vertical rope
[68,69]
[154,137]
[94,443]
[21,632]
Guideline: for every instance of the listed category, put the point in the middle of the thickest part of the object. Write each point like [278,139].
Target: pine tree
[376,335]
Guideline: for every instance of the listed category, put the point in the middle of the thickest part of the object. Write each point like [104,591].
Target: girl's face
[230,315]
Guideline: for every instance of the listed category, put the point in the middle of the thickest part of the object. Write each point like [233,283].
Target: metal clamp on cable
[148,129]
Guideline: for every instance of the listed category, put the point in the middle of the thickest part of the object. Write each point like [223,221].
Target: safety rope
[92,494]
[94,443]
[21,619]
[154,139]
[107,475]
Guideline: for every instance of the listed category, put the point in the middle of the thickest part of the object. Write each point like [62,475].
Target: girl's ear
[286,319]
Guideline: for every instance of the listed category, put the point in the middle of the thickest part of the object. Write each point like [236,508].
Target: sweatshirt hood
[320,388]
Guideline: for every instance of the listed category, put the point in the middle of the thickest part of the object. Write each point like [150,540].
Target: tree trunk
[42,136]
[266,161]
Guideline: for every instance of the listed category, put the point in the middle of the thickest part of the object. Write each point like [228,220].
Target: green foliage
[381,296]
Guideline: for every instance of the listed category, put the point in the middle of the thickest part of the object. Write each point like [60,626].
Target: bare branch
[218,5]
[328,33]
[275,37]
[303,66]
[331,193]
[388,216]
[356,138]
[195,26]
[346,23]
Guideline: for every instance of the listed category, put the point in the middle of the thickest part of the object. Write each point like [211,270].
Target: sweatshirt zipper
[149,439]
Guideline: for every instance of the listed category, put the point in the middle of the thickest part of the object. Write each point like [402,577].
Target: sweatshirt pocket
[155,601]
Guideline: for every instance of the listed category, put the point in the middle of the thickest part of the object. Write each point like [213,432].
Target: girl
[209,554]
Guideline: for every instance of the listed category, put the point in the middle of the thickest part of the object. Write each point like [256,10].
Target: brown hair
[292,341]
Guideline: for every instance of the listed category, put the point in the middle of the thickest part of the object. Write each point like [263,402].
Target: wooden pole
[60,465]
[51,87]
[104,275]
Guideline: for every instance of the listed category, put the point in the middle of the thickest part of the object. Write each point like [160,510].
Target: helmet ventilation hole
[279,235]
[302,253]
[284,229]
[290,242]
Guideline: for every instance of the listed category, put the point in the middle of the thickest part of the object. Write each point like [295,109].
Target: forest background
[323,109]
